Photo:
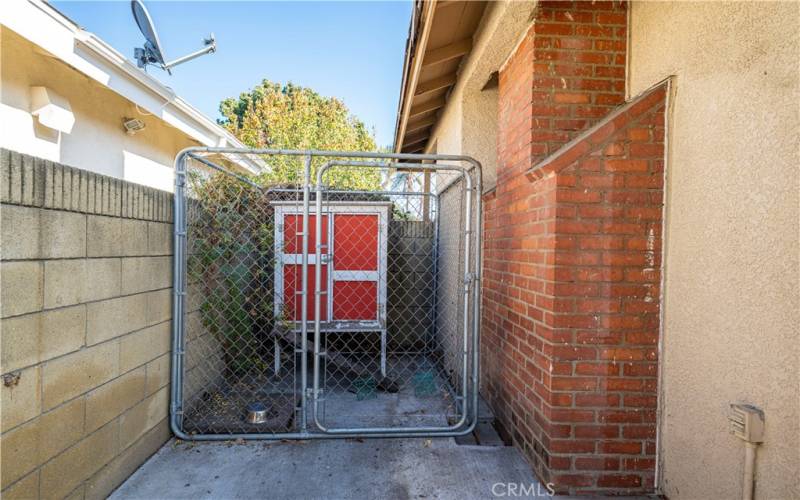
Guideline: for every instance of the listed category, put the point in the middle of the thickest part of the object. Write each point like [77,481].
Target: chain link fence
[362,324]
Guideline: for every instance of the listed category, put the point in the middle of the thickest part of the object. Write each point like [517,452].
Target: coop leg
[277,356]
[383,353]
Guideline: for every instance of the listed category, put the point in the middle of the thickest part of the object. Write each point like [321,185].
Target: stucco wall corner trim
[598,133]
[670,88]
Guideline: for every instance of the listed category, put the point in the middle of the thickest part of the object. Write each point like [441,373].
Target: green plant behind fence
[231,261]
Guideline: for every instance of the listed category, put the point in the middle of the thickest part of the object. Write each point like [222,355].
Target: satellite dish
[152,45]
[153,51]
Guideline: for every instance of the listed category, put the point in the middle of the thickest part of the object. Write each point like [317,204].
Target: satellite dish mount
[153,52]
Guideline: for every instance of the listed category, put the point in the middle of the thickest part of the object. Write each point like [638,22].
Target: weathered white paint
[51,109]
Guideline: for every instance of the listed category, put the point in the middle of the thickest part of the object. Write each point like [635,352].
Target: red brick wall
[518,268]
[567,73]
[573,255]
[514,114]
[606,322]
[578,69]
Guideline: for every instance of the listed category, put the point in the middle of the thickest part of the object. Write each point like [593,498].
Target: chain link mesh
[395,341]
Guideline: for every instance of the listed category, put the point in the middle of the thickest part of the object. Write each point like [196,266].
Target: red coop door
[355,267]
[293,266]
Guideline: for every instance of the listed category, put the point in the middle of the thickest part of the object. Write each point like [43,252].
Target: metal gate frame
[471,288]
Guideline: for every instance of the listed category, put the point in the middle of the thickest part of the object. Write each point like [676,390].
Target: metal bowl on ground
[257,413]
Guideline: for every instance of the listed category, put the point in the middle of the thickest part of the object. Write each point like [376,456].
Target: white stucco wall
[98,141]
[731,300]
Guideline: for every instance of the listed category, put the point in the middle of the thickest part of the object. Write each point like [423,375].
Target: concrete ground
[331,469]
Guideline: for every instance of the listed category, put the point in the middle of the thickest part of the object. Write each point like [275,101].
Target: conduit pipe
[747,423]
[748,486]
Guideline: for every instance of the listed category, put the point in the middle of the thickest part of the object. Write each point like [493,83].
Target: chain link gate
[328,303]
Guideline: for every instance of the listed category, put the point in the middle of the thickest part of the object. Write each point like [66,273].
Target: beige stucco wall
[731,309]
[97,141]
[468,124]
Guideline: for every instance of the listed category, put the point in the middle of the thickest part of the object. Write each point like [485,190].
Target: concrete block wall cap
[598,133]
[36,182]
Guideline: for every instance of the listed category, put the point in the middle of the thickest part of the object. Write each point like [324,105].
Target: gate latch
[469,278]
[326,258]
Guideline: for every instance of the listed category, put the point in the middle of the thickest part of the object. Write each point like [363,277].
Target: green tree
[288,116]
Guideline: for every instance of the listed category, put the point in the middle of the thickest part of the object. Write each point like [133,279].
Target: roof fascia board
[419,54]
[107,53]
[153,98]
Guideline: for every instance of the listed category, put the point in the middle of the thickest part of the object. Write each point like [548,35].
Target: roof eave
[418,37]
[98,60]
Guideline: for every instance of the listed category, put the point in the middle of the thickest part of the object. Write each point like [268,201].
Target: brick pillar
[566,74]
[600,333]
[573,255]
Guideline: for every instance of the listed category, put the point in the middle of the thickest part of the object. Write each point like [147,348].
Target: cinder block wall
[86,309]
[410,279]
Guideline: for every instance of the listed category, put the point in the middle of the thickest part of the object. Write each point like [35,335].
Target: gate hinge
[469,278]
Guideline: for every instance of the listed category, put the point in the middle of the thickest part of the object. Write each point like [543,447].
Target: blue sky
[350,50]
